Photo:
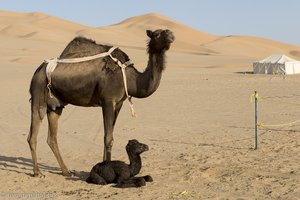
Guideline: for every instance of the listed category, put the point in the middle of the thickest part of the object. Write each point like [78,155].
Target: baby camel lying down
[119,172]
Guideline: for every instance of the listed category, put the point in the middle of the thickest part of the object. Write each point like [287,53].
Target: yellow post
[256,119]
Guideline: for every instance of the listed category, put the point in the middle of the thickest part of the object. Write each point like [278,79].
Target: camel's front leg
[110,113]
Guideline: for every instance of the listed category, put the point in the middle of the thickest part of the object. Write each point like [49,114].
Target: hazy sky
[275,19]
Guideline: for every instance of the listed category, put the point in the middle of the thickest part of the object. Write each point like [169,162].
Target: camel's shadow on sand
[23,165]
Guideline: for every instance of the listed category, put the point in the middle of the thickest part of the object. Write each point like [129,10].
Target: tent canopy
[277,64]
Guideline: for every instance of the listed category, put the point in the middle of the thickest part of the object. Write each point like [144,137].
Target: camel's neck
[135,163]
[141,85]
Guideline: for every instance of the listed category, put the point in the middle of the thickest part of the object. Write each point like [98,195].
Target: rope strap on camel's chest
[52,63]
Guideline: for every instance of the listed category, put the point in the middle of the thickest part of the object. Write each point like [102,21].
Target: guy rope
[258,125]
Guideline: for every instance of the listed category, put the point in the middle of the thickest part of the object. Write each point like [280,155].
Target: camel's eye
[156,35]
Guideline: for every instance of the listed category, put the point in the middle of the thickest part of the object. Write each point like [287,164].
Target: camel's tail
[38,91]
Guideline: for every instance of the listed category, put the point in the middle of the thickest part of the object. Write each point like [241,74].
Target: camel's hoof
[39,175]
[67,173]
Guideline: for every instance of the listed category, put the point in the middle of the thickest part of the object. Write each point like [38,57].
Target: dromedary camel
[98,82]
[119,172]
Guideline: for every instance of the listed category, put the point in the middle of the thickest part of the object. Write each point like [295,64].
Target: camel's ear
[149,33]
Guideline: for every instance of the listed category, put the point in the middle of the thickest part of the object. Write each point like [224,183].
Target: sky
[274,19]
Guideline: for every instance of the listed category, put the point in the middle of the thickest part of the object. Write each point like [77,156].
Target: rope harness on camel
[52,63]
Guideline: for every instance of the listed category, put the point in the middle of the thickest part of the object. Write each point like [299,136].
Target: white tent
[277,64]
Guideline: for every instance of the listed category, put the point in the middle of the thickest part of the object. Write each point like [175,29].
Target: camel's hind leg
[32,139]
[52,138]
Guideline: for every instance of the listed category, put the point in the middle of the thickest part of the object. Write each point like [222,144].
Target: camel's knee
[28,139]
[49,142]
[32,141]
[52,142]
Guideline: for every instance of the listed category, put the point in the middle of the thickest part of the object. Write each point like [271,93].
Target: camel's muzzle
[170,35]
[145,147]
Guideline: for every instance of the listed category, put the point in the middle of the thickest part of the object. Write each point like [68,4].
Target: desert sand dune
[38,26]
[199,125]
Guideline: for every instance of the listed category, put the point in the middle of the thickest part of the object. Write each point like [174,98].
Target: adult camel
[96,82]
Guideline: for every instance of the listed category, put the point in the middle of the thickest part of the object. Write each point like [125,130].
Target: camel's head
[160,40]
[136,147]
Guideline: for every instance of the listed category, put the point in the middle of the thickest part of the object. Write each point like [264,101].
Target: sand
[199,124]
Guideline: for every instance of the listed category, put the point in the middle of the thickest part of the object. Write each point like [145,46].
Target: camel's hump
[81,47]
